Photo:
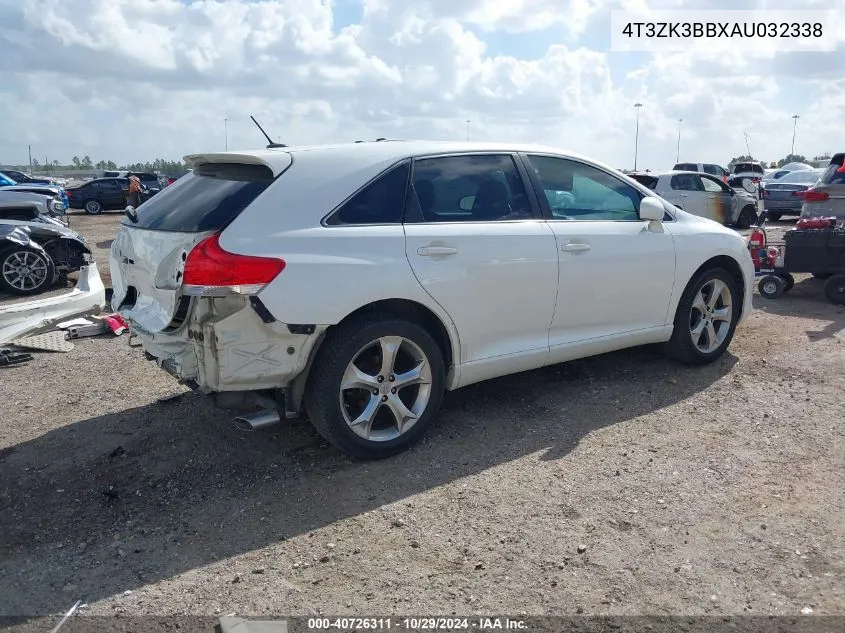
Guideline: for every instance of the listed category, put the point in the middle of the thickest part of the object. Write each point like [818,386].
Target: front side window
[473,188]
[686,182]
[576,191]
[380,202]
[712,186]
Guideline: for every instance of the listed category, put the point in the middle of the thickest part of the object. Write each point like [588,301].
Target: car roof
[380,151]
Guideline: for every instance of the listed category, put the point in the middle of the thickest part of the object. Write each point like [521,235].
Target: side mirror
[651,209]
[465,203]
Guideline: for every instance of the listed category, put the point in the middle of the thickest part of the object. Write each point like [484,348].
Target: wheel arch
[446,338]
[727,263]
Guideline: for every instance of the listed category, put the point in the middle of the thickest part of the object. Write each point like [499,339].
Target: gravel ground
[621,484]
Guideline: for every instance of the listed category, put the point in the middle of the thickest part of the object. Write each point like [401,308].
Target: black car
[103,194]
[22,179]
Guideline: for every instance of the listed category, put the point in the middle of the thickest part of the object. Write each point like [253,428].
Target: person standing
[134,192]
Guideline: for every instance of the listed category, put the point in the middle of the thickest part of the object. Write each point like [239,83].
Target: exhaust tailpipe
[257,420]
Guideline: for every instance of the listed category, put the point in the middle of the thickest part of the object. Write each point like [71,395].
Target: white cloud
[138,79]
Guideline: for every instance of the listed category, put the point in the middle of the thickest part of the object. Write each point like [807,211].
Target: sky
[135,80]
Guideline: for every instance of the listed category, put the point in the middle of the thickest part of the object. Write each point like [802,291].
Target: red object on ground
[115,323]
[757,247]
[815,223]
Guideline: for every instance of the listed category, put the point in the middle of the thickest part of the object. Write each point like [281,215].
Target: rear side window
[380,202]
[207,199]
[832,176]
[714,170]
[744,168]
[685,182]
[686,167]
[645,179]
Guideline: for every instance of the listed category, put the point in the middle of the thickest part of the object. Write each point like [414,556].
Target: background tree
[741,159]
[86,162]
[825,156]
[76,162]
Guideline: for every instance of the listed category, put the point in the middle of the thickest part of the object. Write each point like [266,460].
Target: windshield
[802,176]
[5,181]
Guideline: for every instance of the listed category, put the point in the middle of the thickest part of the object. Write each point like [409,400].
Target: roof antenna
[270,142]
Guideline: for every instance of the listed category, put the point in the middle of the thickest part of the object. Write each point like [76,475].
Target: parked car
[827,197]
[786,195]
[705,168]
[55,191]
[102,194]
[50,252]
[149,180]
[24,179]
[752,170]
[703,195]
[358,282]
[54,206]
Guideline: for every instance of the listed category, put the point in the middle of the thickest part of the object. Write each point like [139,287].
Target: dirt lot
[623,484]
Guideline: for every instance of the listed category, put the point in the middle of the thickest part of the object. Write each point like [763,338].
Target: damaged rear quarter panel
[225,346]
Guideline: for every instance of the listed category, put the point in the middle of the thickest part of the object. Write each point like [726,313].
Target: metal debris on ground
[49,342]
[80,331]
[9,357]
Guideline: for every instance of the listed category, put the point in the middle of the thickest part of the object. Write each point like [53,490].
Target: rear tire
[701,332]
[93,207]
[771,287]
[834,289]
[356,418]
[39,273]
[789,282]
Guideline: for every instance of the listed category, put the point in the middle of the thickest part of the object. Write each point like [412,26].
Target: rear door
[111,195]
[147,258]
[478,246]
[689,194]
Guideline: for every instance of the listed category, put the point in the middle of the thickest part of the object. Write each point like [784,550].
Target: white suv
[359,282]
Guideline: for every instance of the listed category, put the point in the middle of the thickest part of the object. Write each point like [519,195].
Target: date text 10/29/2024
[416,624]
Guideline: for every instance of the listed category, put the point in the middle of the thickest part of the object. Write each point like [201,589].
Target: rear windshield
[832,176]
[685,167]
[645,179]
[206,199]
[742,168]
[802,176]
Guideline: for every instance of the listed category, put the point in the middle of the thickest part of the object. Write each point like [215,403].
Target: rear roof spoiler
[275,161]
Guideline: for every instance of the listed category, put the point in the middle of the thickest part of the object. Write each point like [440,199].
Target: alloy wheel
[385,388]
[25,270]
[711,316]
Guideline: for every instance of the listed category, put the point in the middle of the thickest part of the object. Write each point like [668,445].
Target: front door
[479,247]
[616,274]
[721,203]
[689,194]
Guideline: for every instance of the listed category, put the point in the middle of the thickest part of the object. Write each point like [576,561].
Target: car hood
[45,225]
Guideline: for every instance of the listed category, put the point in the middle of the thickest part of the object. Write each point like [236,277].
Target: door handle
[683,195]
[434,251]
[575,247]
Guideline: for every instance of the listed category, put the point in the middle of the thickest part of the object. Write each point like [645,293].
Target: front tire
[376,386]
[706,318]
[746,218]
[25,271]
[771,287]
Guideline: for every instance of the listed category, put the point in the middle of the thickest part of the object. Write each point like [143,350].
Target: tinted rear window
[741,168]
[644,179]
[206,199]
[832,176]
[685,167]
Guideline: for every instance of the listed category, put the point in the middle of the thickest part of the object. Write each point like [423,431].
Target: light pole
[30,159]
[637,137]
[678,153]
[795,118]
[468,122]
[226,132]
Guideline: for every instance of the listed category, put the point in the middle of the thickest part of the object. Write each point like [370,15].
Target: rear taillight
[798,194]
[816,196]
[212,272]
[68,193]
